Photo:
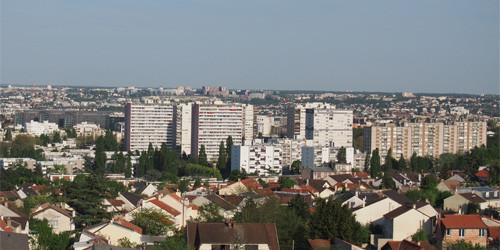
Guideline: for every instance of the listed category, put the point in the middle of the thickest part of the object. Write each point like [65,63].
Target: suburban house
[230,235]
[459,176]
[491,196]
[450,185]
[142,188]
[459,202]
[240,187]
[454,228]
[109,232]
[226,209]
[403,222]
[155,204]
[317,173]
[408,245]
[131,200]
[374,211]
[14,218]
[60,219]
[355,199]
[187,209]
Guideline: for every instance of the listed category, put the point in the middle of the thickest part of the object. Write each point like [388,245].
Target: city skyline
[424,47]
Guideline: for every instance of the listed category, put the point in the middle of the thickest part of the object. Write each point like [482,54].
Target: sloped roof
[234,199]
[474,198]
[10,240]
[220,202]
[251,183]
[55,208]
[222,233]
[132,198]
[397,197]
[452,184]
[9,194]
[397,212]
[319,243]
[165,207]
[5,227]
[463,221]
[483,174]
[127,224]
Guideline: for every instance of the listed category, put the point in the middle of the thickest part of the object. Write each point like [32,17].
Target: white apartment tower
[215,122]
[259,159]
[320,122]
[425,139]
[184,126]
[145,124]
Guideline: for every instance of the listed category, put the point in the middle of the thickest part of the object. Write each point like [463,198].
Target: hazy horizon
[442,47]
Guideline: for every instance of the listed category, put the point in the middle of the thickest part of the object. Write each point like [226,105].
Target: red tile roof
[165,207]
[5,227]
[483,174]
[251,183]
[463,221]
[128,225]
[319,243]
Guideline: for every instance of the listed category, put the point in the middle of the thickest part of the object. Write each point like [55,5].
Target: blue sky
[391,46]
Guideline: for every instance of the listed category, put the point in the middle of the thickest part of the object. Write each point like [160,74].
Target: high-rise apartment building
[261,159]
[320,122]
[145,124]
[184,126]
[424,139]
[215,122]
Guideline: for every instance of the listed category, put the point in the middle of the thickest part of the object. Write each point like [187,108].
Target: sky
[424,46]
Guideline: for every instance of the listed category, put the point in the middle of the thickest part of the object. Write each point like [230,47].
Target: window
[53,224]
[448,233]
[461,233]
[482,232]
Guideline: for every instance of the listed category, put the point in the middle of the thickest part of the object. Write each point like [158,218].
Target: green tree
[462,245]
[8,135]
[331,219]
[299,206]
[202,156]
[375,167]
[296,166]
[388,161]
[287,182]
[222,161]
[209,213]
[153,222]
[197,182]
[341,155]
[388,182]
[401,163]
[367,162]
[229,145]
[86,194]
[100,157]
[183,185]
[44,238]
[494,173]
[420,235]
[56,138]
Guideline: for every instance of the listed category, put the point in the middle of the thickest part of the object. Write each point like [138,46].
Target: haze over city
[391,46]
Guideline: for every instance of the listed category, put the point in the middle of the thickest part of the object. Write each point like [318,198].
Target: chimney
[307,182]
[414,206]
[364,202]
[419,177]
[356,193]
[9,222]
